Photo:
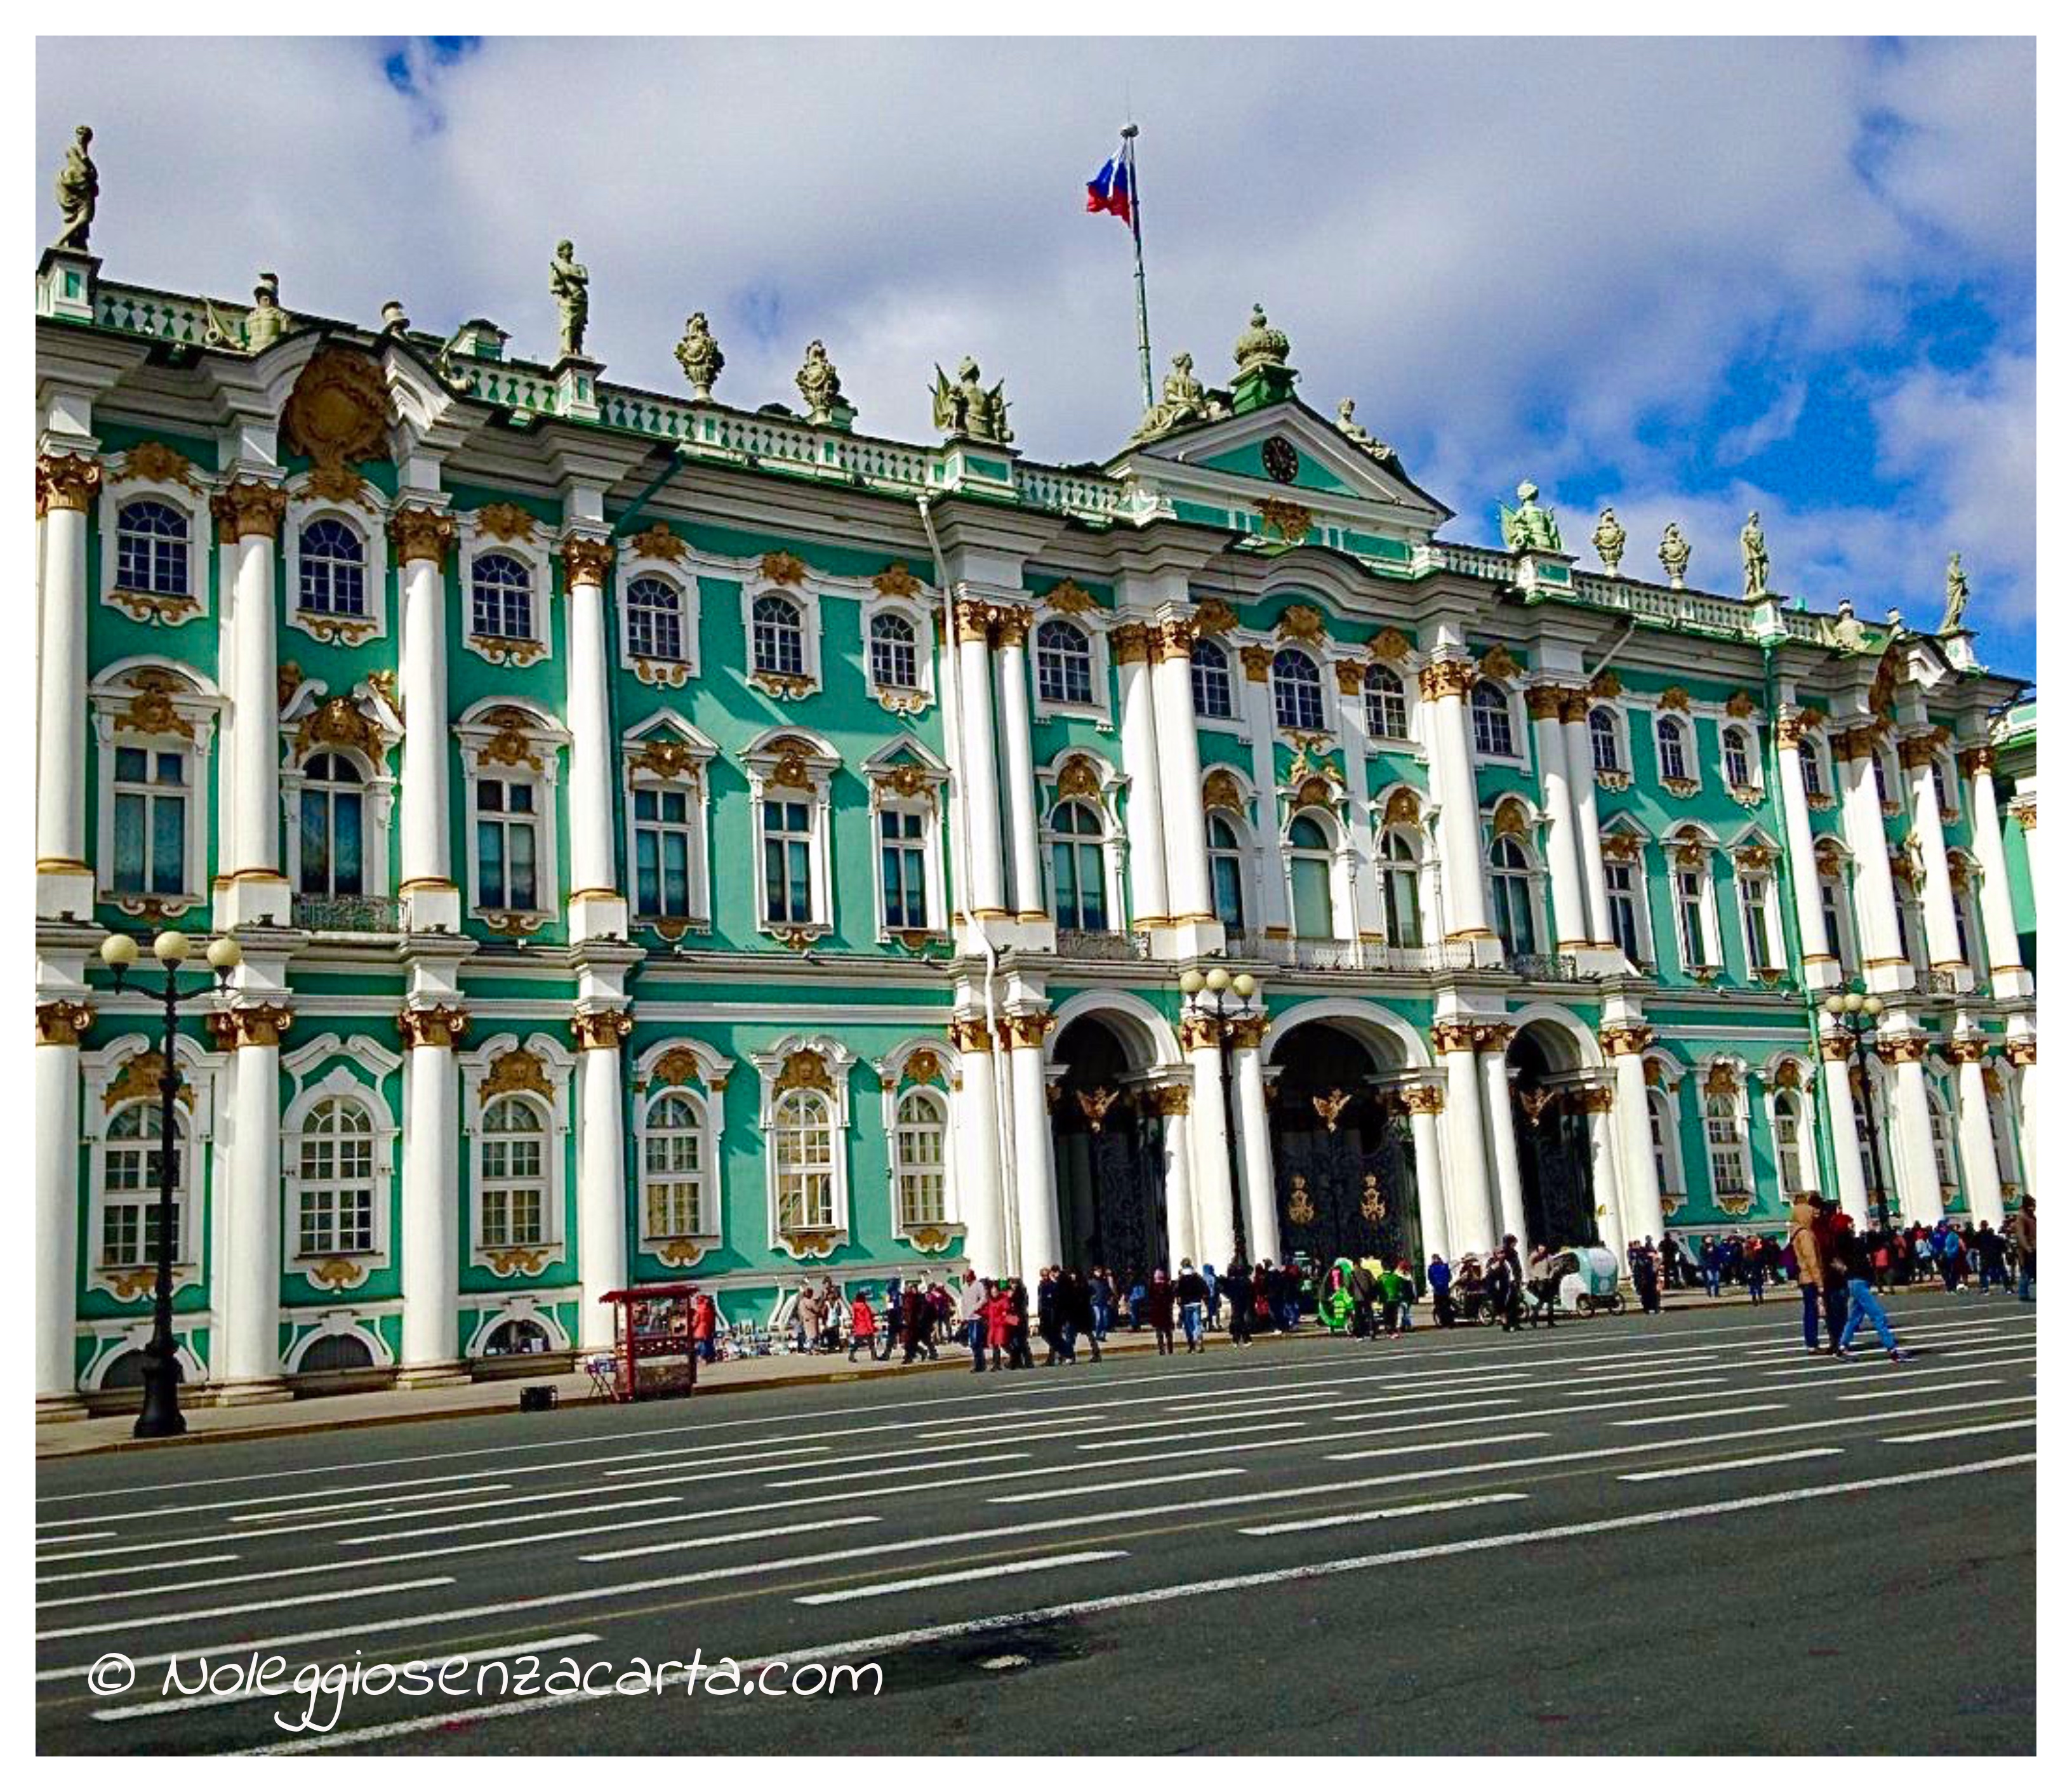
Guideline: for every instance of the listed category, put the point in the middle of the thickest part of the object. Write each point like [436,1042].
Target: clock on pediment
[1282,462]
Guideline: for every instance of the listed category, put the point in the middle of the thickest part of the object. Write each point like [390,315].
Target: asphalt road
[1678,1535]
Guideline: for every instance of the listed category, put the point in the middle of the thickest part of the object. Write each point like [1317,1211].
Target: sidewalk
[209,1424]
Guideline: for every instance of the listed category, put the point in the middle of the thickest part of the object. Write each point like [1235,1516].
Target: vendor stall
[653,1356]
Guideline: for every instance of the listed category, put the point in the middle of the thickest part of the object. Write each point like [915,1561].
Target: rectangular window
[787,864]
[1620,887]
[506,844]
[902,865]
[662,822]
[1755,923]
[1691,918]
[150,822]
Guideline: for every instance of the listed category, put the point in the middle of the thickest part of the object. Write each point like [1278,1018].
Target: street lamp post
[1219,986]
[160,1416]
[1857,1014]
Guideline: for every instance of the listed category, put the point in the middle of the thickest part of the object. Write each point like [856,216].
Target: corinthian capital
[586,559]
[603,1029]
[421,534]
[66,482]
[432,1026]
[248,507]
[1445,678]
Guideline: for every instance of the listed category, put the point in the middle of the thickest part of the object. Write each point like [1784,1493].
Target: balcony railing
[348,913]
[1351,955]
[1102,943]
[1543,967]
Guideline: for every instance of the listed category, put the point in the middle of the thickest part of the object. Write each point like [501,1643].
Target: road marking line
[102,1597]
[1960,1430]
[1033,1565]
[133,1568]
[1378,1512]
[1156,1596]
[1114,1486]
[904,1468]
[526,1539]
[154,1619]
[491,1524]
[1717,1413]
[1940,1388]
[1740,1462]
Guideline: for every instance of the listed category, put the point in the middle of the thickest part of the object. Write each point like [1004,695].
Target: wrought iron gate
[1339,1198]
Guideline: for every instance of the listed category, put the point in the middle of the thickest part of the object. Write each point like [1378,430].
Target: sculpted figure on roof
[569,282]
[79,190]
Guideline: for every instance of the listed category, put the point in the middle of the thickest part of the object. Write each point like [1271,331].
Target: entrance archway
[1343,1174]
[1553,1134]
[1108,1146]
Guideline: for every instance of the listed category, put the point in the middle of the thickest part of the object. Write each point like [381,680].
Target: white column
[1605,1181]
[431,1195]
[58,1028]
[596,907]
[1216,1232]
[1500,1112]
[66,486]
[978,789]
[1150,901]
[1975,1134]
[1020,774]
[979,1198]
[1182,1234]
[1640,1187]
[1571,926]
[1180,776]
[2027,1095]
[1035,1184]
[1885,966]
[248,1292]
[1583,793]
[1938,904]
[600,1129]
[2011,980]
[422,538]
[1365,894]
[1270,885]
[249,516]
[1913,1140]
[1471,1219]
[1822,968]
[1262,1222]
[1841,1104]
[1425,1101]
[1443,685]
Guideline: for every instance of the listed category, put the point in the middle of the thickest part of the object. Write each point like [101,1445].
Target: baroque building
[666,837]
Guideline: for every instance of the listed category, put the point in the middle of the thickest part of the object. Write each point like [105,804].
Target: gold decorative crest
[1301,1210]
[1073,599]
[1095,1104]
[896,581]
[338,414]
[783,569]
[516,1069]
[1301,622]
[805,1069]
[1291,522]
[507,522]
[160,464]
[1220,790]
[659,542]
[1328,1107]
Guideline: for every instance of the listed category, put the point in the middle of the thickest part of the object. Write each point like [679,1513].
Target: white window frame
[1773,914]
[1245,851]
[1093,624]
[672,570]
[1621,765]
[118,489]
[1752,753]
[1738,1111]
[689,1066]
[1321,670]
[556,1064]
[763,762]
[1666,1138]
[908,761]
[1063,705]
[1233,673]
[1376,674]
[1385,867]
[806,599]
[769,1065]
[1533,871]
[358,1065]
[1687,733]
[1708,915]
[100,1072]
[343,630]
[479,737]
[1799,1169]
[1942,1136]
[1813,751]
[901,700]
[704,1134]
[377,786]
[1643,918]
[1113,847]
[1514,712]
[1336,851]
[902,1226]
[189,702]
[691,754]
[1849,955]
[532,551]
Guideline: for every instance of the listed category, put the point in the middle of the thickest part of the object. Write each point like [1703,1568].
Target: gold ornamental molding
[338,414]
[1918,750]
[337,1273]
[658,541]
[138,1079]
[1837,1048]
[896,581]
[1787,1075]
[779,568]
[682,1253]
[1675,698]
[1445,678]
[432,1026]
[507,522]
[1543,702]
[516,1070]
[804,1069]
[605,1029]
[1171,1101]
[1967,1048]
[2021,1050]
[1425,1098]
[1576,706]
[1011,624]
[1498,664]
[61,1023]
[905,780]
[1213,616]
[1074,600]
[516,1259]
[1606,686]
[255,1024]
[66,482]
[1402,810]
[1625,1039]
[1495,1036]
[1174,639]
[1595,1100]
[2023,809]
[248,507]
[158,464]
[418,533]
[1130,643]
[1620,848]
[1452,1036]
[1200,1033]
[338,722]
[1026,1032]
[971,619]
[586,559]
[1258,662]
[673,1070]
[1248,1032]
[1722,1078]
[1079,777]
[1390,646]
[1973,760]
[1301,622]
[971,1035]
[1904,1048]
[511,744]
[1291,522]
[673,760]
[1351,675]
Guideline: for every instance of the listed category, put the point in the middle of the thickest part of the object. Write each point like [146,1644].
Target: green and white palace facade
[671,840]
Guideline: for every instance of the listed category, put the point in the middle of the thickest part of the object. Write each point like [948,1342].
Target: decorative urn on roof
[1263,376]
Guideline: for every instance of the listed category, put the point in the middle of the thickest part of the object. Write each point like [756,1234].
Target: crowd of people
[1958,1253]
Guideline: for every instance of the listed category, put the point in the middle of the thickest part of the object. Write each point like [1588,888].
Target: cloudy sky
[1686,279]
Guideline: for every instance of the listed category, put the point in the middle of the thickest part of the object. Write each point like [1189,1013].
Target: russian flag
[1110,190]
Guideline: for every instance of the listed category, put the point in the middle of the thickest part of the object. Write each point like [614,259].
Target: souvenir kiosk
[652,1354]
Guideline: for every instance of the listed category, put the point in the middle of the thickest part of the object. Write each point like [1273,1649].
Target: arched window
[333,569]
[151,548]
[513,1194]
[1491,710]
[332,801]
[131,1166]
[654,620]
[672,1168]
[779,647]
[1397,862]
[1387,708]
[1309,878]
[335,1179]
[1661,1135]
[1784,1120]
[1064,663]
[920,1129]
[1213,695]
[1741,764]
[803,1137]
[502,592]
[1726,1145]
[1942,798]
[1298,691]
[1510,897]
[1671,755]
[1078,871]
[1226,871]
[1809,767]
[1604,755]
[893,662]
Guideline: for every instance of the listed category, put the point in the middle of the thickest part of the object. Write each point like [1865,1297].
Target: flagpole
[1136,237]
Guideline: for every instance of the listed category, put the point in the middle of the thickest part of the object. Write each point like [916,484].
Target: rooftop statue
[1356,432]
[819,384]
[1755,559]
[1609,539]
[1676,555]
[1183,399]
[1957,593]
[79,189]
[1261,345]
[1847,631]
[1531,526]
[569,282]
[395,322]
[698,355]
[265,323]
[969,408]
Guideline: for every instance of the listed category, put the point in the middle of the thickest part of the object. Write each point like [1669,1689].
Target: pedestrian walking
[1439,1278]
[1238,1284]
[971,1318]
[1019,1355]
[2024,1249]
[1158,1306]
[1809,1266]
[1864,1303]
[1500,1287]
[1646,1277]
[862,1325]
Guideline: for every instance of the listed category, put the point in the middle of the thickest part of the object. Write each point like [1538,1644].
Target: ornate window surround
[364,518]
[1512,691]
[499,1065]
[1093,624]
[1712,1087]
[358,1065]
[1104,798]
[1773,907]
[105,1090]
[1344,866]
[906,778]
[687,1066]
[1613,850]
[528,544]
[665,752]
[641,557]
[164,707]
[176,487]
[803,595]
[365,731]
[938,1067]
[790,753]
[822,1063]
[1684,840]
[1693,779]
[1751,793]
[501,736]
[1535,860]
[915,612]
[1806,1173]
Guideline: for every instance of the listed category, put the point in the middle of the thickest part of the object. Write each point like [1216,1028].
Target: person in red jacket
[862,1325]
[998,1310]
[704,1321]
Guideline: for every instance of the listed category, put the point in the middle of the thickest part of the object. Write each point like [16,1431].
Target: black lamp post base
[162,1416]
